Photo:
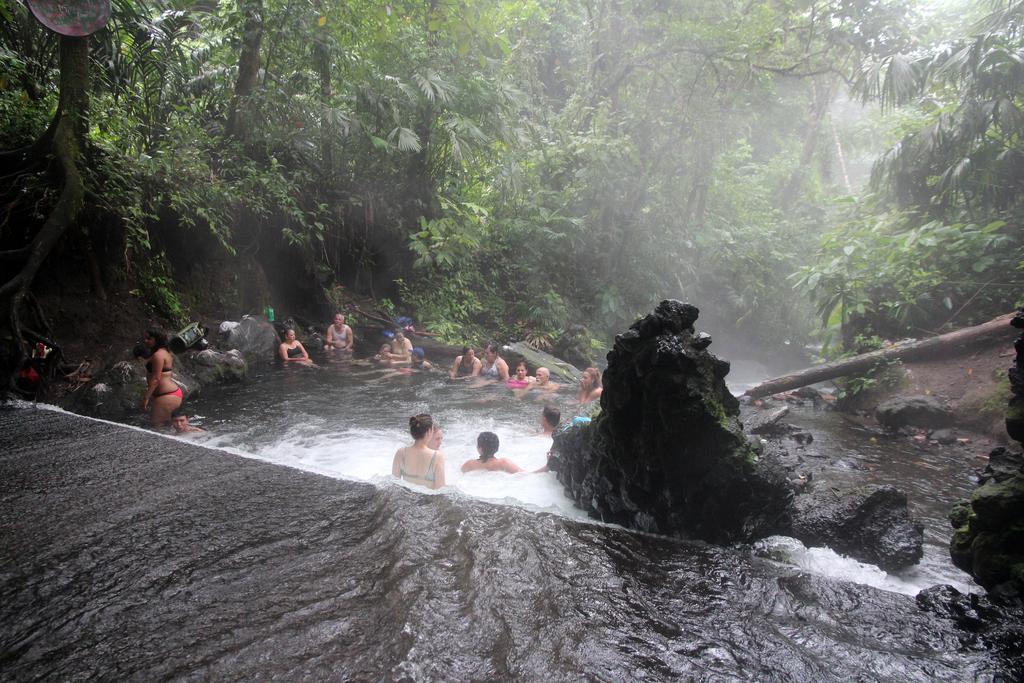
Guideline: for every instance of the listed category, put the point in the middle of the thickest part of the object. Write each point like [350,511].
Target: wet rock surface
[915,411]
[871,524]
[667,453]
[989,539]
[129,556]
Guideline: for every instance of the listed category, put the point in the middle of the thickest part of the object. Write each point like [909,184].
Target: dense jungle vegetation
[519,167]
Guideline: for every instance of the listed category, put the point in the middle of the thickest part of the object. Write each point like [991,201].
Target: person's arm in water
[153,381]
[477,365]
[305,356]
[396,464]
[282,351]
[351,338]
[439,470]
[502,368]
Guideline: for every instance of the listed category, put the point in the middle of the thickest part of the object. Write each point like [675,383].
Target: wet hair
[467,349]
[595,374]
[488,444]
[523,363]
[178,412]
[552,415]
[420,425]
[493,348]
[159,336]
[140,350]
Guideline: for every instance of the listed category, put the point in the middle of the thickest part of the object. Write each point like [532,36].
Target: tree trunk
[819,108]
[68,139]
[248,65]
[322,58]
[993,330]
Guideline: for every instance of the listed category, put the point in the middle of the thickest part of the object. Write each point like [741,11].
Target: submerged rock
[211,367]
[871,524]
[917,411]
[667,453]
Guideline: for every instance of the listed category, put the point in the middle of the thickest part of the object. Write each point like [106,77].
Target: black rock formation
[871,524]
[989,538]
[667,453]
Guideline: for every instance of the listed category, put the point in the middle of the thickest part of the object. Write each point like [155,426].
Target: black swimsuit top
[149,367]
[295,352]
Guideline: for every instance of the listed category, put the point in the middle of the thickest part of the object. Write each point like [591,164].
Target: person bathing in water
[401,349]
[339,336]
[543,381]
[291,350]
[487,446]
[494,366]
[590,386]
[465,366]
[521,380]
[163,396]
[179,420]
[421,463]
[550,416]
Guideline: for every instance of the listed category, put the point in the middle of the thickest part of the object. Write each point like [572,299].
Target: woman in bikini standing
[163,396]
[423,462]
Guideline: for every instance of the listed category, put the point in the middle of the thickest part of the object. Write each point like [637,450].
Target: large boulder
[989,538]
[871,524]
[916,411]
[255,339]
[667,454]
[213,367]
[561,371]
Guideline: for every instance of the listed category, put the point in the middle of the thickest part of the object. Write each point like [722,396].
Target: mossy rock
[998,503]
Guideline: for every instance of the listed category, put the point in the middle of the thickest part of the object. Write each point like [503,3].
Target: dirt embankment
[973,383]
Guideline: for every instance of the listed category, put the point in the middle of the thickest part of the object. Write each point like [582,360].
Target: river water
[225,568]
[346,419]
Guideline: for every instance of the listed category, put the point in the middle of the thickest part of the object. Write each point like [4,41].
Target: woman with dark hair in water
[163,396]
[423,462]
[494,366]
[292,350]
[466,365]
[487,446]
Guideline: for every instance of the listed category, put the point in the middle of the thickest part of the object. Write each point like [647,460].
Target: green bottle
[269,312]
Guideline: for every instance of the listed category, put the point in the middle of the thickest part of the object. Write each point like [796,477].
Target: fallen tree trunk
[944,343]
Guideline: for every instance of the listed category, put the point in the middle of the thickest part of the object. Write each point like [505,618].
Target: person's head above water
[339,319]
[422,426]
[289,335]
[551,415]
[543,375]
[179,420]
[521,370]
[591,378]
[487,444]
[491,351]
[418,355]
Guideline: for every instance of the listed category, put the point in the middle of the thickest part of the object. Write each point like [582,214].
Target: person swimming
[179,420]
[421,463]
[466,365]
[487,446]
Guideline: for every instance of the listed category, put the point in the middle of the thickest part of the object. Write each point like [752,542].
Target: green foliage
[889,274]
